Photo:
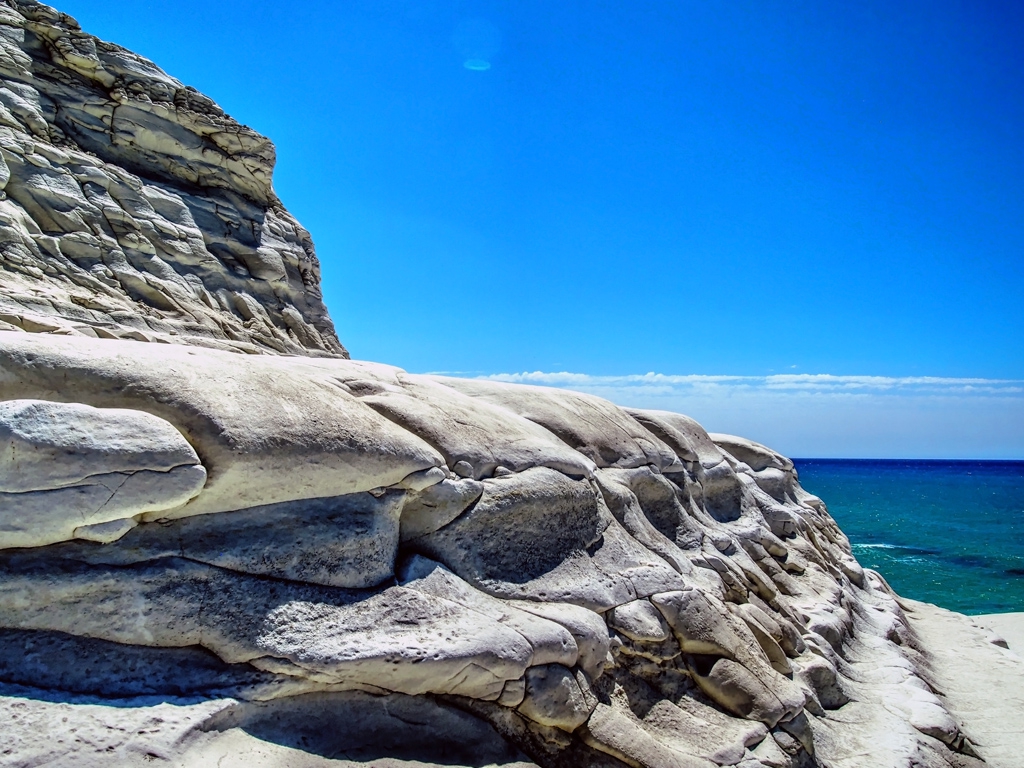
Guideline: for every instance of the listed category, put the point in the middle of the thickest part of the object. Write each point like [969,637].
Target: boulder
[68,467]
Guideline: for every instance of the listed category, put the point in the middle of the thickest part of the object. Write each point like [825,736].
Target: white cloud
[784,381]
[828,415]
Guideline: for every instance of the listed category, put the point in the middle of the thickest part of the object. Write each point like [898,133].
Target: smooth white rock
[46,445]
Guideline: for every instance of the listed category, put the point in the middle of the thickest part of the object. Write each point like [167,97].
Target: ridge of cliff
[132,206]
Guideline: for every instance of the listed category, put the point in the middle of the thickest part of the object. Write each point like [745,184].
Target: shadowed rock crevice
[362,728]
[72,664]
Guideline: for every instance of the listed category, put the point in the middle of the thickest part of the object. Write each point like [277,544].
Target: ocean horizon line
[919,460]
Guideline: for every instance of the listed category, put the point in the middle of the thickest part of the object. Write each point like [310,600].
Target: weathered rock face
[132,207]
[215,559]
[590,586]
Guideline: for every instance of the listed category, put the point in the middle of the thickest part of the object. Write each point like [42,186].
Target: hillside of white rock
[223,543]
[132,207]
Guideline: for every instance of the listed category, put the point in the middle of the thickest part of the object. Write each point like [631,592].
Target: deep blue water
[947,532]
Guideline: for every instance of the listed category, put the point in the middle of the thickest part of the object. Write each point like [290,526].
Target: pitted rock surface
[363,529]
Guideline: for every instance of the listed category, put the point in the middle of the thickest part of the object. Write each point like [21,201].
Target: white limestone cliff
[210,558]
[132,207]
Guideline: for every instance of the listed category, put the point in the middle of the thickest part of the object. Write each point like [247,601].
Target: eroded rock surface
[591,586]
[73,471]
[132,206]
[209,558]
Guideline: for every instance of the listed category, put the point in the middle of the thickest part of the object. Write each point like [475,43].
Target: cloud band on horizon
[826,415]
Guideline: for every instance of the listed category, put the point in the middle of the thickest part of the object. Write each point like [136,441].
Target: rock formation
[132,207]
[209,558]
[589,585]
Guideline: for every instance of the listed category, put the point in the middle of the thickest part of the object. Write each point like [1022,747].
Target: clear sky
[744,188]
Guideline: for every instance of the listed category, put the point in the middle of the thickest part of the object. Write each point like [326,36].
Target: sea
[945,532]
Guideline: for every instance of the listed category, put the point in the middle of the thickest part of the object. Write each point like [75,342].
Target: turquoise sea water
[947,532]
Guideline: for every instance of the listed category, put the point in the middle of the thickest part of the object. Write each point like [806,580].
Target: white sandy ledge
[981,680]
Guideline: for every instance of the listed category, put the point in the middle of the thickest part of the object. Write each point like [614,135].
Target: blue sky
[721,189]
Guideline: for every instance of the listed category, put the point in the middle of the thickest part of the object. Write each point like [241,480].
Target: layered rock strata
[209,558]
[132,206]
[590,585]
